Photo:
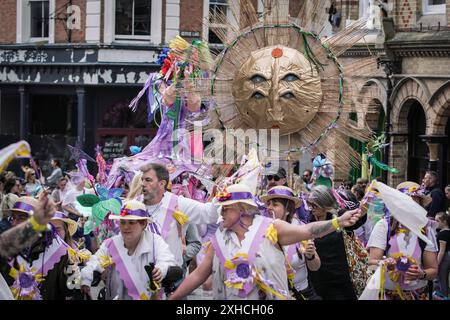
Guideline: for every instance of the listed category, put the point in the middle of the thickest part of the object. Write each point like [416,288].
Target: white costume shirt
[142,256]
[299,265]
[378,239]
[5,292]
[270,262]
[198,213]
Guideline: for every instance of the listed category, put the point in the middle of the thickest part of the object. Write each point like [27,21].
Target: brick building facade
[60,83]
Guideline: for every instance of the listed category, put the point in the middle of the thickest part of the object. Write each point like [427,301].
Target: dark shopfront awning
[80,65]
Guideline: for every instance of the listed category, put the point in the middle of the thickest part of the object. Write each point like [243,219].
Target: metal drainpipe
[387,122]
[70,30]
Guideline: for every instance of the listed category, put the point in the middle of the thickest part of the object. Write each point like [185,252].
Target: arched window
[417,149]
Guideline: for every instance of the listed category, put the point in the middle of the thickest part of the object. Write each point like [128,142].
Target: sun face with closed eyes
[277,87]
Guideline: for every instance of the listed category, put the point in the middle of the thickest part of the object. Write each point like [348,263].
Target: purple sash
[222,253]
[395,248]
[126,268]
[291,251]
[173,202]
[49,258]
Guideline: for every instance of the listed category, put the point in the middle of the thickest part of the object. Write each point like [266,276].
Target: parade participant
[443,218]
[333,280]
[46,263]
[301,256]
[33,186]
[21,236]
[416,192]
[405,259]
[136,260]
[170,212]
[363,232]
[65,227]
[244,257]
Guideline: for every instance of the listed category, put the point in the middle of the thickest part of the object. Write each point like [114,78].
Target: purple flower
[403,264]
[243,270]
[26,279]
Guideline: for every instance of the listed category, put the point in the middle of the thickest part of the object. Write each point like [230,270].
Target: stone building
[68,69]
[412,40]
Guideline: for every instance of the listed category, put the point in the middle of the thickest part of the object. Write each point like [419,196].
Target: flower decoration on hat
[223,196]
[413,191]
[124,212]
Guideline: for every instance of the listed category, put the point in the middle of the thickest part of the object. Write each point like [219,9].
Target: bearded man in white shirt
[171,213]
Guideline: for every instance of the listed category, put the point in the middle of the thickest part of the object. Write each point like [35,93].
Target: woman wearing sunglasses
[332,281]
[33,186]
[136,260]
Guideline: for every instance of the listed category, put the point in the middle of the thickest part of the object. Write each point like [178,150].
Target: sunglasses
[273,177]
[130,222]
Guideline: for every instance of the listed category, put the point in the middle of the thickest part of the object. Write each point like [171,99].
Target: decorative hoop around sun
[276,72]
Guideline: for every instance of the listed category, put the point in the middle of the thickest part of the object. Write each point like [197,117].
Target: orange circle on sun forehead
[277,53]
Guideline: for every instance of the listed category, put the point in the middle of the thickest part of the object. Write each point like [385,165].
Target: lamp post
[389,67]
